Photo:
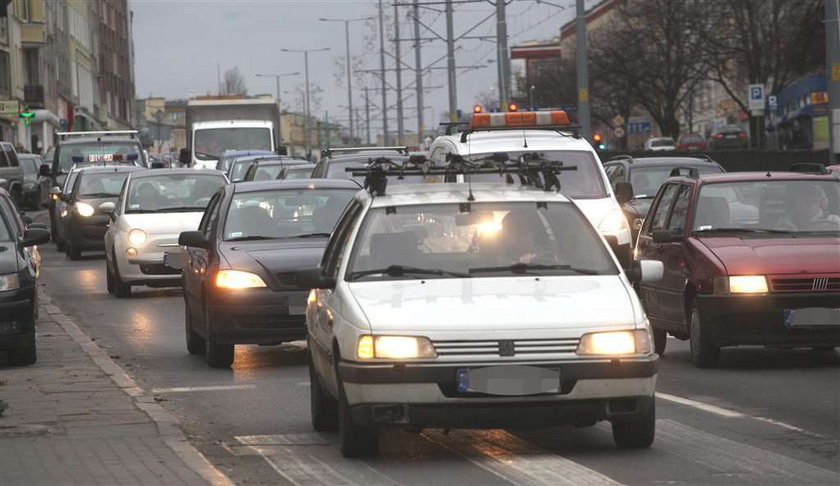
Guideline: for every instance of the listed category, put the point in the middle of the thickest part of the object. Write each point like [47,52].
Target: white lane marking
[311,459]
[699,405]
[190,389]
[733,414]
[303,383]
[515,460]
[724,455]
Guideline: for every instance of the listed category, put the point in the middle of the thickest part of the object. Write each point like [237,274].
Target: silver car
[153,209]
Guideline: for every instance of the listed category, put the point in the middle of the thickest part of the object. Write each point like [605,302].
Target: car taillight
[742,135]
[719,136]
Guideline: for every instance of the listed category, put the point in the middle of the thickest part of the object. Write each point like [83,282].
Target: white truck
[214,126]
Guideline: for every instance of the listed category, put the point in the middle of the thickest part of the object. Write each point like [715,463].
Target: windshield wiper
[251,238]
[199,155]
[744,230]
[98,194]
[313,235]
[523,268]
[400,270]
[180,209]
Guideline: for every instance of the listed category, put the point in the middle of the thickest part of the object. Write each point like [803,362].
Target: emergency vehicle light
[520,119]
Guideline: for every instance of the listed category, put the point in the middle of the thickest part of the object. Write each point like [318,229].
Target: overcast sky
[179,43]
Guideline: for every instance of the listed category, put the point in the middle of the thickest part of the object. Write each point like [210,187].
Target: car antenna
[525,138]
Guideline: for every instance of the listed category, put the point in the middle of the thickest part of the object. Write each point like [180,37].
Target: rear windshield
[662,142]
[30,165]
[647,180]
[584,182]
[98,152]
[337,170]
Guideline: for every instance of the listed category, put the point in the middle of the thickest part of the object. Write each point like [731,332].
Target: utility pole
[832,74]
[418,66]
[400,125]
[450,63]
[503,59]
[382,74]
[277,80]
[367,113]
[581,59]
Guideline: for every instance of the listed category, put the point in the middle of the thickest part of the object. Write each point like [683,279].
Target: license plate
[508,380]
[812,317]
[297,305]
[175,261]
[731,136]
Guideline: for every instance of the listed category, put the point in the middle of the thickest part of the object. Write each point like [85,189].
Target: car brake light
[719,136]
[742,135]
[520,119]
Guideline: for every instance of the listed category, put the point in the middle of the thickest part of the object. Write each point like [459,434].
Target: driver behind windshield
[807,211]
[526,240]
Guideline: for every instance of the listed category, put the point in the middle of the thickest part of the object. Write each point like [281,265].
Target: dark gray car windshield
[585,182]
[492,239]
[285,213]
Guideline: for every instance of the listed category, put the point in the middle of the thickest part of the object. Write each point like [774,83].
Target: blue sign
[773,102]
[639,127]
[756,93]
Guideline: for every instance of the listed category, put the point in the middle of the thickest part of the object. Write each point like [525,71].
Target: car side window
[4,160]
[676,223]
[210,215]
[12,156]
[659,215]
[338,245]
[9,208]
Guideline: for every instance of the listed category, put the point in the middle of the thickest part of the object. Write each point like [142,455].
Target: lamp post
[349,68]
[277,99]
[306,75]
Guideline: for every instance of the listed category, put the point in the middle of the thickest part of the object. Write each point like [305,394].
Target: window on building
[5,75]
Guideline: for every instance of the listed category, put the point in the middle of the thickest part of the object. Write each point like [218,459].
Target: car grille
[502,347]
[784,285]
[287,279]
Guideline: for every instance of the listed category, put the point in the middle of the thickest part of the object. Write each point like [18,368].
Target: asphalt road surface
[763,417]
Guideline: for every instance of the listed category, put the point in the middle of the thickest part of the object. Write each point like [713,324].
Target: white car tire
[638,432]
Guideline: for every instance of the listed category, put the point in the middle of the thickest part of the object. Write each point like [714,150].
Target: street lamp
[277,80]
[349,69]
[306,75]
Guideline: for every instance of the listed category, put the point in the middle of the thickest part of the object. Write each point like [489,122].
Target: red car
[750,259]
[691,141]
[834,168]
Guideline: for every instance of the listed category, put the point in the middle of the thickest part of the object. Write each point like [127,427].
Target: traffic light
[512,107]
[477,109]
[598,141]
[26,115]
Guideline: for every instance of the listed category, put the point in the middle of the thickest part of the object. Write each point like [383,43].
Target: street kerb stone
[167,424]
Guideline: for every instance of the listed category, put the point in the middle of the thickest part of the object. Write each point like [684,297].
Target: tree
[553,84]
[233,83]
[770,42]
[648,57]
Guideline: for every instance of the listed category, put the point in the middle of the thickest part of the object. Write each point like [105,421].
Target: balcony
[33,95]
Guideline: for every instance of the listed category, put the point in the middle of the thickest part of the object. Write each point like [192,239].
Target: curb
[167,424]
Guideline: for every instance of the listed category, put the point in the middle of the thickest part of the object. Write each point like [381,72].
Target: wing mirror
[35,236]
[194,239]
[644,271]
[44,171]
[665,236]
[184,156]
[314,278]
[108,208]
[623,191]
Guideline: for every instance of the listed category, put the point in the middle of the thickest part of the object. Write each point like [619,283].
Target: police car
[475,305]
[549,135]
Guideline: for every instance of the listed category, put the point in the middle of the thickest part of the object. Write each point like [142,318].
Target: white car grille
[505,347]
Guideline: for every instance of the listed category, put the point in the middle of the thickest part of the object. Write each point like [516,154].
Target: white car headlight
[615,343]
[613,222]
[84,209]
[9,282]
[394,347]
[137,237]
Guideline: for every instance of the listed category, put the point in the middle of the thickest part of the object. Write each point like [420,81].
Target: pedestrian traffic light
[512,107]
[477,109]
[26,115]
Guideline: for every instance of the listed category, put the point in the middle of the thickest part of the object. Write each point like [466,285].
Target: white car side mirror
[651,270]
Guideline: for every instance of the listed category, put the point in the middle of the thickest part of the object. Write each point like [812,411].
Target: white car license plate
[812,317]
[176,260]
[297,305]
[509,380]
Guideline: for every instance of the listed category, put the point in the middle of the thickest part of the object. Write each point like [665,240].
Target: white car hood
[163,223]
[596,210]
[495,304]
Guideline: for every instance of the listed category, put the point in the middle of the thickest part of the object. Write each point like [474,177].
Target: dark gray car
[36,186]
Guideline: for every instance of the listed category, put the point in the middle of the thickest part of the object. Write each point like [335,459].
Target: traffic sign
[755,95]
[618,120]
[618,132]
[773,102]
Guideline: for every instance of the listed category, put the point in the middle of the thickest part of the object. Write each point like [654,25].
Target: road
[763,417]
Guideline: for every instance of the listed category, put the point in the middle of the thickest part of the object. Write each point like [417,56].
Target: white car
[547,135]
[660,144]
[482,306]
[155,206]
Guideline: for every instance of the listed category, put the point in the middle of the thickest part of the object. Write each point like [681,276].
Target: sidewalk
[76,418]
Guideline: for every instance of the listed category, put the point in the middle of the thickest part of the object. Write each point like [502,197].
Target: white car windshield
[775,206]
[172,193]
[584,182]
[475,240]
[102,184]
[211,143]
[287,213]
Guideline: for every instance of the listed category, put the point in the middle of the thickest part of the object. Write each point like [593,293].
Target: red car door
[653,294]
